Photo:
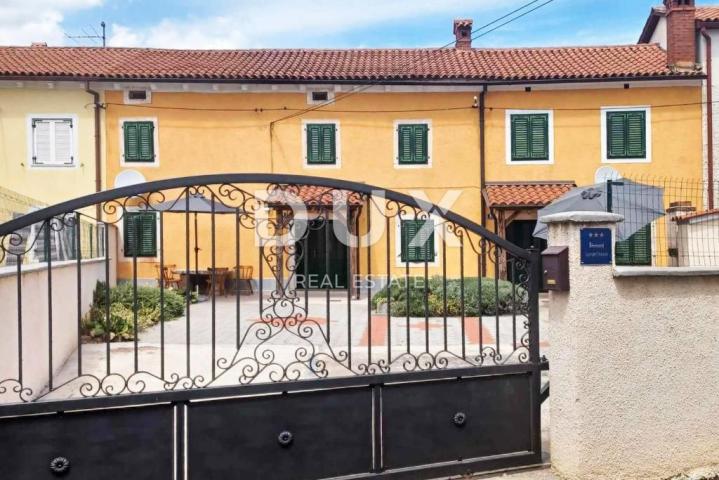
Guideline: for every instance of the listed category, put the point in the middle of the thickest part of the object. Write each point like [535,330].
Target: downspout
[98,149]
[482,171]
[710,118]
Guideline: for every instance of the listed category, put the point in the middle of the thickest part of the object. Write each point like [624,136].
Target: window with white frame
[529,136]
[52,141]
[626,134]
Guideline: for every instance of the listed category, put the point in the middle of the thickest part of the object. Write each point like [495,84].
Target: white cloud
[26,21]
[253,24]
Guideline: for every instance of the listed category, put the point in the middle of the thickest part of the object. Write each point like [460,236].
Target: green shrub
[122,316]
[488,303]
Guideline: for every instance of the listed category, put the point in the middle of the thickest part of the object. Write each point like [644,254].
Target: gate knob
[285,438]
[59,466]
[459,419]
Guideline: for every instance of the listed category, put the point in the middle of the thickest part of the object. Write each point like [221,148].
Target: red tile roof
[447,64]
[707,14]
[525,194]
[712,214]
[312,195]
[702,14]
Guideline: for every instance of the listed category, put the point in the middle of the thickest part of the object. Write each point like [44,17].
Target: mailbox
[555,264]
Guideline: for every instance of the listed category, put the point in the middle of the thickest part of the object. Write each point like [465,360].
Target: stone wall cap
[665,271]
[582,217]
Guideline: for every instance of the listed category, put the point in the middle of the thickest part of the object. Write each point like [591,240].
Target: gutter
[710,118]
[98,146]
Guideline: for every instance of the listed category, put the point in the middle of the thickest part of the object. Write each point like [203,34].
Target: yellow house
[493,134]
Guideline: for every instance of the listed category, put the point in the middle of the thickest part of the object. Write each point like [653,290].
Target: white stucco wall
[634,370]
[35,317]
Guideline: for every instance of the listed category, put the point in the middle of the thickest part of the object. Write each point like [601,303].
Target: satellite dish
[128,177]
[606,173]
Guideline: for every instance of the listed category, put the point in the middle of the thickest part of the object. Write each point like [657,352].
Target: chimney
[463,33]
[681,33]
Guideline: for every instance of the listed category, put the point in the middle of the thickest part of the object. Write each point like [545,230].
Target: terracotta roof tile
[447,64]
[312,195]
[525,194]
[707,14]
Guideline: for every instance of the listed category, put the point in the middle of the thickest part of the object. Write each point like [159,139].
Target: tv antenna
[95,35]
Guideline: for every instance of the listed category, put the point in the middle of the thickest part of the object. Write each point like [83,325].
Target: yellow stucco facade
[19,103]
[202,133]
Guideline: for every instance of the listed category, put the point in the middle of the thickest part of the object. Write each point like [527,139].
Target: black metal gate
[421,368]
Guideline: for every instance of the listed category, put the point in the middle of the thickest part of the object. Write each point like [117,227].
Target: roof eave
[400,81]
[649,26]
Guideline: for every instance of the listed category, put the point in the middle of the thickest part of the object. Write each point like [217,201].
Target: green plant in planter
[122,314]
[499,299]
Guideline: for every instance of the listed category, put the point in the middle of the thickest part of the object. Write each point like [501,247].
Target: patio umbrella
[197,204]
[640,204]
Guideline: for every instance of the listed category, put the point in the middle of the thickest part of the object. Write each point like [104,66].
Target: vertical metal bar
[327,272]
[426,300]
[237,278]
[389,292]
[78,254]
[213,277]
[461,295]
[349,294]
[48,257]
[261,273]
[108,366]
[162,296]
[533,312]
[369,283]
[135,312]
[305,268]
[188,281]
[480,320]
[407,291]
[514,304]
[444,283]
[19,318]
[496,293]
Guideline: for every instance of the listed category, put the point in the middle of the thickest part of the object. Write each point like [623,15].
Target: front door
[519,232]
[325,264]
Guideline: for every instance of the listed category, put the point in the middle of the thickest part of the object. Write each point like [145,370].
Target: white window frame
[647,134]
[155,139]
[31,139]
[398,242]
[508,136]
[338,145]
[129,101]
[330,96]
[121,237]
[427,122]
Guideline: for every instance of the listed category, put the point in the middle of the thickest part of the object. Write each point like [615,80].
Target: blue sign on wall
[596,246]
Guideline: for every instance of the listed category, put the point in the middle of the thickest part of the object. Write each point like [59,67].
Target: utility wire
[357,90]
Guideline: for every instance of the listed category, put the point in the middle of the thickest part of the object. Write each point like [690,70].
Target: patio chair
[170,279]
[243,274]
[219,275]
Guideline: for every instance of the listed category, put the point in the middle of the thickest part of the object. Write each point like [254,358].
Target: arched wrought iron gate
[420,361]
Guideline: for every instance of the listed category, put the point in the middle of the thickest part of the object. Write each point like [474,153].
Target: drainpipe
[482,170]
[710,118]
[98,150]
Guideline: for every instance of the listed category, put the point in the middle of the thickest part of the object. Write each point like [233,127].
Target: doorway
[326,258]
[519,232]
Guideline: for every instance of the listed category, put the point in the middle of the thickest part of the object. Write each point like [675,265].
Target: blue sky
[317,23]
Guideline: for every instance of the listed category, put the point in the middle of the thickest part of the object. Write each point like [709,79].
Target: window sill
[626,160]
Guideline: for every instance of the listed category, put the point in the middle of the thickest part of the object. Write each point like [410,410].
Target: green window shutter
[139,141]
[417,242]
[626,134]
[637,249]
[139,229]
[321,147]
[413,144]
[529,136]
